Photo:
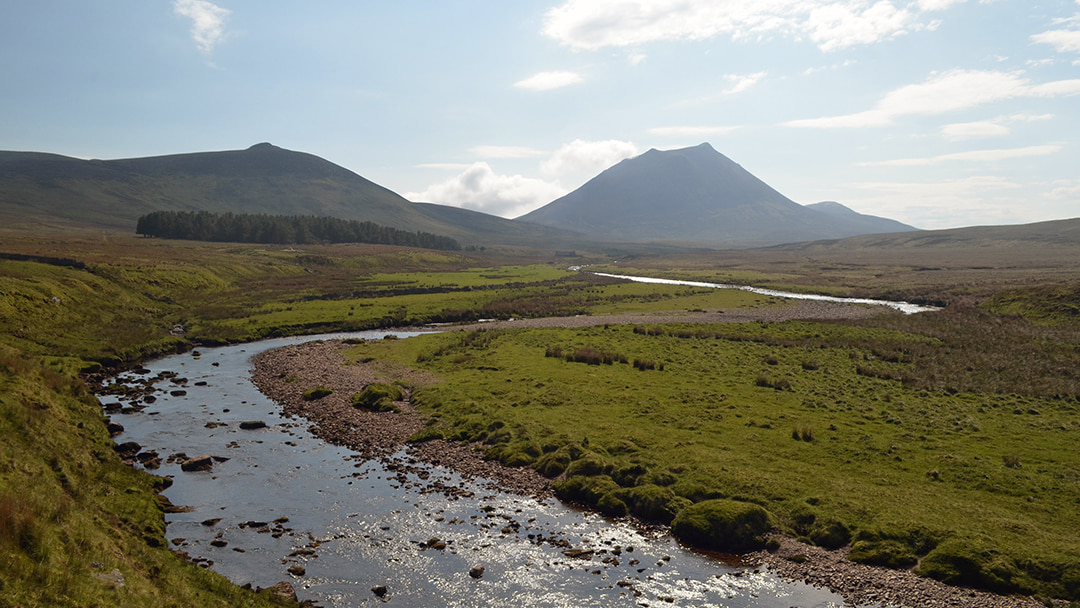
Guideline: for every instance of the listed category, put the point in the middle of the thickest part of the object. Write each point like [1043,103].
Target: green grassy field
[942,438]
[822,424]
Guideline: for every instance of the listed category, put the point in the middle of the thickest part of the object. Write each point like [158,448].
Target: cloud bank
[207,22]
[589,25]
[480,188]
[942,93]
[545,81]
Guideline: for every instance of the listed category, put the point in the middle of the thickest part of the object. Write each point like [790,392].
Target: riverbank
[283,374]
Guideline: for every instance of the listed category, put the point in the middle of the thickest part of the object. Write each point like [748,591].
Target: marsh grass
[971,413]
[861,439]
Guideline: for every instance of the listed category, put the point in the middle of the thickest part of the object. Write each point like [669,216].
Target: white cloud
[972,130]
[1066,190]
[481,189]
[832,24]
[207,22]
[581,157]
[742,83]
[937,5]
[978,200]
[636,58]
[973,156]
[1031,117]
[545,81]
[838,25]
[942,93]
[444,166]
[691,131]
[505,151]
[1063,40]
[988,128]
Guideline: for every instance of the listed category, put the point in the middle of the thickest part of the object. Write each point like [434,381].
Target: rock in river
[198,463]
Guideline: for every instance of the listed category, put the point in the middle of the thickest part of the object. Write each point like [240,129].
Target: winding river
[279,504]
[904,307]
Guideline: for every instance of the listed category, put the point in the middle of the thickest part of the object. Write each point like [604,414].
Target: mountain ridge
[695,194]
[43,190]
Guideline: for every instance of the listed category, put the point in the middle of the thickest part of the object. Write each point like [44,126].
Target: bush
[653,503]
[552,464]
[723,525]
[972,563]
[885,553]
[379,397]
[318,392]
[830,534]
[611,505]
[588,464]
[426,435]
[585,490]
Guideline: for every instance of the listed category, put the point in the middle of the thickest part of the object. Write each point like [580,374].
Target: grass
[71,512]
[969,411]
[707,428]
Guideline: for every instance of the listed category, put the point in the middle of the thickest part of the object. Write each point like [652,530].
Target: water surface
[285,499]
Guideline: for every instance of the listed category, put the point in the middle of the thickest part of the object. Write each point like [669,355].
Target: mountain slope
[55,190]
[696,195]
[866,224]
[1053,233]
[41,191]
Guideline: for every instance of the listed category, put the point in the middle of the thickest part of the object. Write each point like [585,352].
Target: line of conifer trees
[281,229]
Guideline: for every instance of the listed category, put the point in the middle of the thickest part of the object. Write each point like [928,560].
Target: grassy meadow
[825,425]
[941,441]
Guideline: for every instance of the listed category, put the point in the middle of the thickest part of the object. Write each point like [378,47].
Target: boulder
[379,590]
[284,589]
[251,425]
[197,463]
[476,571]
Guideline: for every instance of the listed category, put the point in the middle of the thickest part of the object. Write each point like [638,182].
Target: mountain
[696,195]
[1063,234]
[41,191]
[866,224]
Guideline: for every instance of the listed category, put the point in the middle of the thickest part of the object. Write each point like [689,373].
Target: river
[280,504]
[904,307]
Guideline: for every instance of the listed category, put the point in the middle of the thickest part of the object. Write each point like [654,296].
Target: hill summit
[698,195]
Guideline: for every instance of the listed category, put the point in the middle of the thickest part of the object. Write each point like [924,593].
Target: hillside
[988,238]
[697,195]
[49,191]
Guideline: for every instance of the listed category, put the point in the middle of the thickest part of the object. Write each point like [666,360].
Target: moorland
[940,441]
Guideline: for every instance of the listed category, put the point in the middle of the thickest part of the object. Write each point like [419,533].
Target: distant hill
[697,195]
[39,190]
[1054,233]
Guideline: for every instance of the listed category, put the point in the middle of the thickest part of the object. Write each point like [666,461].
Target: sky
[937,113]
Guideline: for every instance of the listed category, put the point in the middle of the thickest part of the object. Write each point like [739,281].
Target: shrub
[379,397]
[886,553]
[585,490]
[969,562]
[653,503]
[552,464]
[830,534]
[318,392]
[723,525]
[588,465]
[611,505]
[426,435]
[811,365]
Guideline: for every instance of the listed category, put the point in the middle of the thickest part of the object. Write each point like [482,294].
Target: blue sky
[939,113]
